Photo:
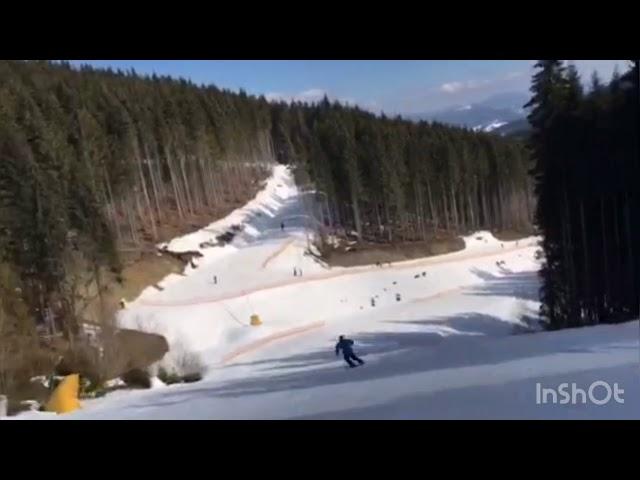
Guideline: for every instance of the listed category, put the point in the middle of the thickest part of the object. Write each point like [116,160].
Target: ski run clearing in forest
[442,337]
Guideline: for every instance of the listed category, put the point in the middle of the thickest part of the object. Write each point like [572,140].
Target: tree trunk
[619,252]
[127,208]
[388,222]
[380,227]
[501,208]
[187,189]
[420,211]
[485,209]
[174,184]
[152,176]
[143,183]
[112,204]
[568,252]
[356,213]
[605,256]
[632,288]
[587,269]
[432,210]
[446,211]
[454,209]
[471,214]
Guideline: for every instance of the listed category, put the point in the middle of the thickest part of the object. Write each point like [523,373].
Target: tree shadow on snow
[522,285]
[435,344]
[294,212]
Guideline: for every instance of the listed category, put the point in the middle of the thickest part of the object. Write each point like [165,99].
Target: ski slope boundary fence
[408,264]
[269,339]
[277,253]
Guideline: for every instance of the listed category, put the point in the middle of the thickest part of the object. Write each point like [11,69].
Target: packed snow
[452,336]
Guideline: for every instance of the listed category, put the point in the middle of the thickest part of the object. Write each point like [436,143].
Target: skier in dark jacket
[346,345]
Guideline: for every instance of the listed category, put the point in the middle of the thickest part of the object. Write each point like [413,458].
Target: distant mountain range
[503,114]
[517,128]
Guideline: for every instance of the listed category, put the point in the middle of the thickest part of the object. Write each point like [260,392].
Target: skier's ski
[347,367]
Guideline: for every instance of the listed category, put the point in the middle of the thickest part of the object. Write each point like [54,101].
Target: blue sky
[393,86]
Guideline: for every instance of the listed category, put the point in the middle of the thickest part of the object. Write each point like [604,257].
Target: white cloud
[310,96]
[452,87]
[315,95]
[455,87]
[274,97]
[461,92]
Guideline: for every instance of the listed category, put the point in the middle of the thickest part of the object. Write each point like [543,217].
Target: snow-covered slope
[438,334]
[490,127]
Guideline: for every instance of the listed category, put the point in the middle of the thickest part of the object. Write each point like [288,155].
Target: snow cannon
[255,320]
[65,397]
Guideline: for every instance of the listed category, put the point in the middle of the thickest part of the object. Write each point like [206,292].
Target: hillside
[460,343]
[483,116]
[99,166]
[517,129]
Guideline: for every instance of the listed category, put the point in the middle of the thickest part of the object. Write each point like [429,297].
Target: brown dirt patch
[370,254]
[145,266]
[512,235]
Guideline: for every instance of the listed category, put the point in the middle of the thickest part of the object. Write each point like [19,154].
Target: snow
[278,189]
[116,382]
[157,383]
[489,127]
[494,125]
[448,349]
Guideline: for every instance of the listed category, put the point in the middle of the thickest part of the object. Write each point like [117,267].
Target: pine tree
[96,162]
[585,148]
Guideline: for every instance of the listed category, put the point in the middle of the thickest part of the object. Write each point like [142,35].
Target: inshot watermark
[598,393]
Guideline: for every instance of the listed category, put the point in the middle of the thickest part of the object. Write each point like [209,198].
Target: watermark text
[598,393]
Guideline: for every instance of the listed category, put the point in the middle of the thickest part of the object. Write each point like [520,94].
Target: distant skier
[282,226]
[346,345]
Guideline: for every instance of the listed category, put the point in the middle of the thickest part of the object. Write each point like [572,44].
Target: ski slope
[442,336]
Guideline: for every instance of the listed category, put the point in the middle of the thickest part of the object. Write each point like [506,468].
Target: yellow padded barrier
[65,397]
